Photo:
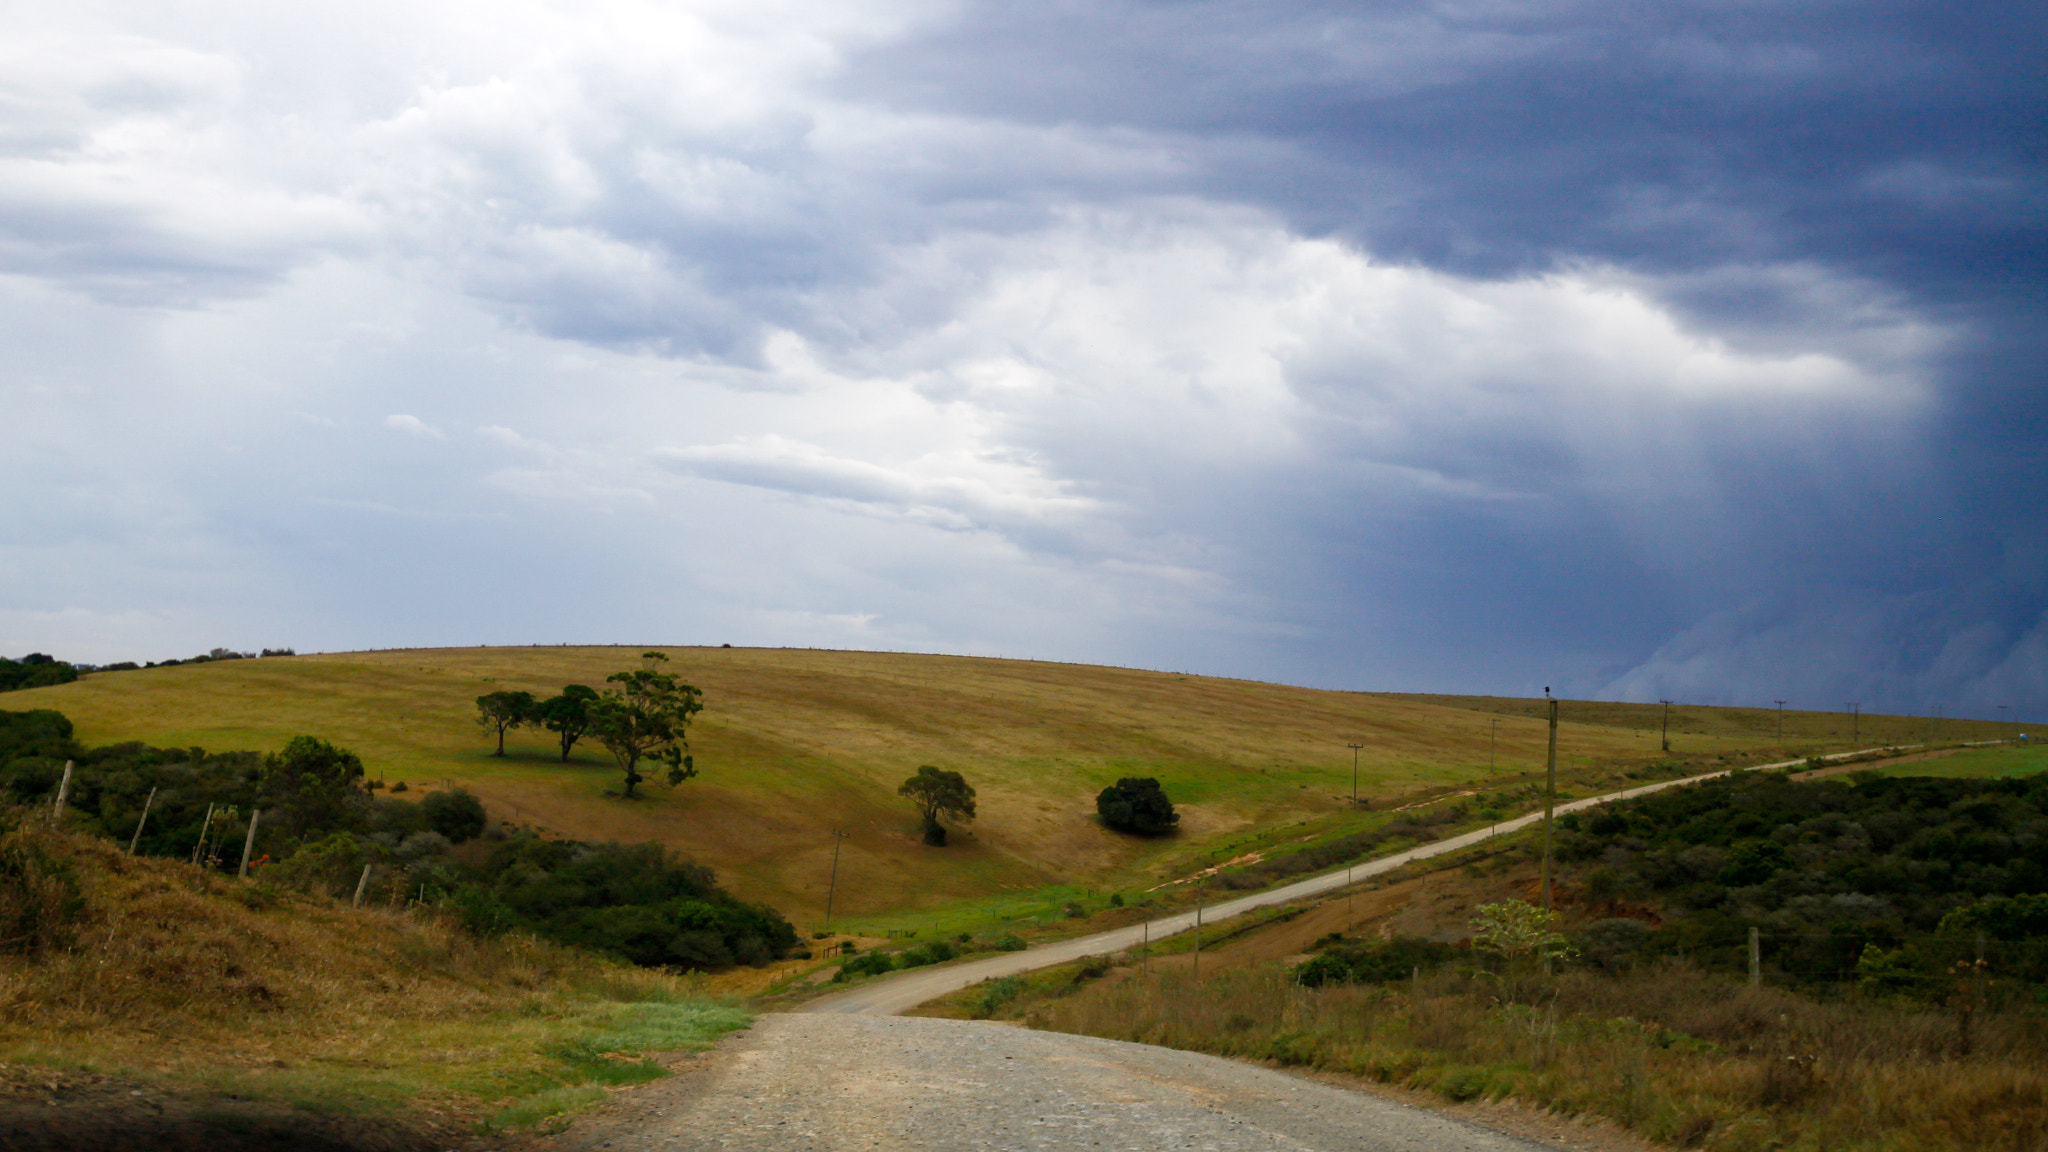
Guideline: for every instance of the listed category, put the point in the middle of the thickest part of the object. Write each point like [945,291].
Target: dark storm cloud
[1640,349]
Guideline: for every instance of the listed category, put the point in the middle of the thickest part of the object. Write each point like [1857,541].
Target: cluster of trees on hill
[39,669]
[321,823]
[35,670]
[644,716]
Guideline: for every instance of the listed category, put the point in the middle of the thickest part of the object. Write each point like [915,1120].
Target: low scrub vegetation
[323,830]
[1668,1050]
[193,987]
[1892,879]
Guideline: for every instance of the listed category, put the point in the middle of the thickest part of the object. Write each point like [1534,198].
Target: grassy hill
[795,743]
[145,1003]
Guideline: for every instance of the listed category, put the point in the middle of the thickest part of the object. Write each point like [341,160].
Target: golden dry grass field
[794,743]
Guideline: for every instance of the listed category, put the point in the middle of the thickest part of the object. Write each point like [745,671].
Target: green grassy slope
[794,743]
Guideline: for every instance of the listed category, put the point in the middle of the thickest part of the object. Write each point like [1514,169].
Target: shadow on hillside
[50,1110]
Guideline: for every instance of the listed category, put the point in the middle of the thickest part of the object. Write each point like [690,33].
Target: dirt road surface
[840,1083]
[846,1074]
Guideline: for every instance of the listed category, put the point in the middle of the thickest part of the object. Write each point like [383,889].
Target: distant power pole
[832,887]
[1855,720]
[1549,796]
[1781,719]
[2001,714]
[1667,723]
[1492,738]
[1354,770]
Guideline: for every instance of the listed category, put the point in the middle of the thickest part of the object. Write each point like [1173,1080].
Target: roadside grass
[1680,1056]
[207,988]
[1991,763]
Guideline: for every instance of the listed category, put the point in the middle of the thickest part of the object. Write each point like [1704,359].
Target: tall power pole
[1549,796]
[1354,770]
[832,887]
[1667,722]
[1855,720]
[1492,738]
[1781,719]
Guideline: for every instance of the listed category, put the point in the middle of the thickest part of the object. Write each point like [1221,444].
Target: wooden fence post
[137,838]
[249,842]
[361,884]
[205,826]
[63,794]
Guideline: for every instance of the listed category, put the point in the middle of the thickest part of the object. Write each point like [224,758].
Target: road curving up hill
[901,993]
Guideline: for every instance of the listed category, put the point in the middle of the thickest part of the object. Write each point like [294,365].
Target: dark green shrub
[458,815]
[1137,804]
[1374,962]
[872,964]
[996,993]
[1011,943]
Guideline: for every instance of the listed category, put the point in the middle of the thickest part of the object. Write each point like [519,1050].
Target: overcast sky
[1635,349]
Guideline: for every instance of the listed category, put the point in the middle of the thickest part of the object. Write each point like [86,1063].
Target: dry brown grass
[1678,1056]
[794,743]
[171,976]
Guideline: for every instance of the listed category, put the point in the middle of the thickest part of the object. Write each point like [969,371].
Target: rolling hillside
[794,743]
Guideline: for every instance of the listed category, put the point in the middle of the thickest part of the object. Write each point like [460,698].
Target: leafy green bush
[458,815]
[1137,804]
[638,902]
[872,964]
[1374,962]
[1011,943]
[936,952]
[996,993]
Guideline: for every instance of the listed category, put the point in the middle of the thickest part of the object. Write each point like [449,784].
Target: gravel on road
[829,1082]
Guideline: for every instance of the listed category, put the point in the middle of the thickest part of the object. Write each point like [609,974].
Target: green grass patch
[1979,763]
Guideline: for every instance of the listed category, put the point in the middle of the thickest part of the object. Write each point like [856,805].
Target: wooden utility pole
[137,838]
[832,887]
[1354,770]
[1855,720]
[1667,724]
[1781,719]
[1549,797]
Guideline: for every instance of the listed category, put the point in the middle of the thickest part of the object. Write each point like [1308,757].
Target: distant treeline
[38,669]
[322,822]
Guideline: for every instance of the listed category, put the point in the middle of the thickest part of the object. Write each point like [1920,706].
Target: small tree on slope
[647,717]
[938,792]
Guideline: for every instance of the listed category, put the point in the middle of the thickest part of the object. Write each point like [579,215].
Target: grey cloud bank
[1678,351]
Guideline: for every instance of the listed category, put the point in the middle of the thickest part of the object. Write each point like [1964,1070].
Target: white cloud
[413,426]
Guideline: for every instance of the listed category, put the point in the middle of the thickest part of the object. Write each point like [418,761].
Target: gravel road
[907,991]
[837,1083]
[847,1074]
